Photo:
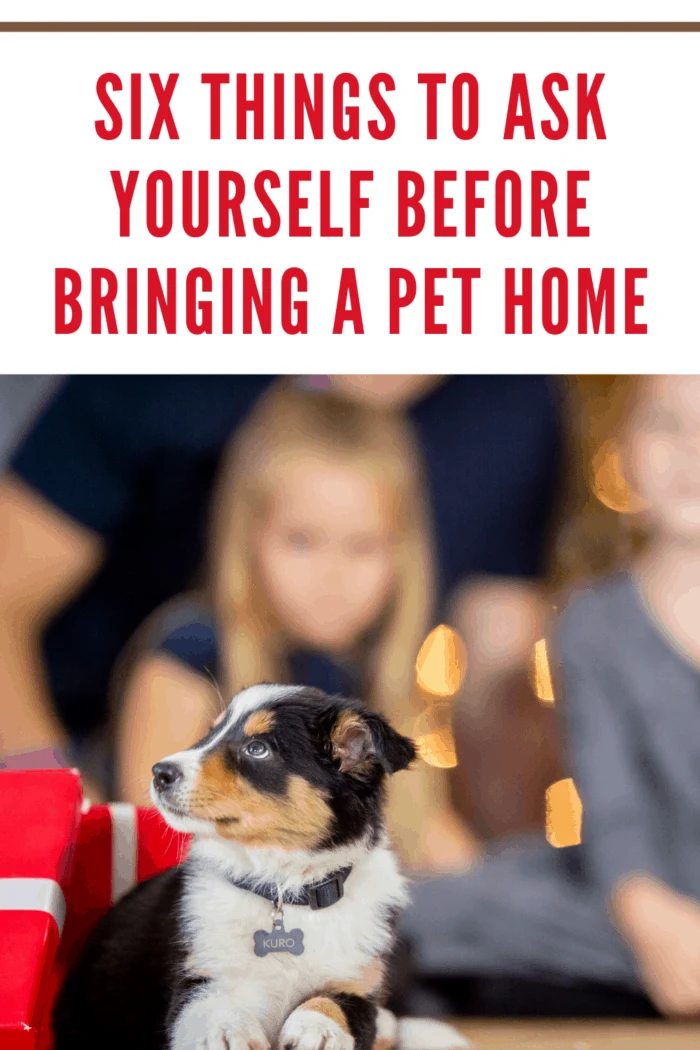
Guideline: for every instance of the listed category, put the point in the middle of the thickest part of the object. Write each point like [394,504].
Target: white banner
[349,201]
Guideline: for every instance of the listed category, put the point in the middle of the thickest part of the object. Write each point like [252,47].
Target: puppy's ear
[361,738]
[352,742]
[393,750]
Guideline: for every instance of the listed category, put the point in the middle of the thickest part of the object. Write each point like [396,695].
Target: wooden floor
[583,1035]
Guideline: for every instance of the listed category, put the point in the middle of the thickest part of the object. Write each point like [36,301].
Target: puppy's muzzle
[166,775]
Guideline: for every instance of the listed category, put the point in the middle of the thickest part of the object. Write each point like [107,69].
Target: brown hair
[600,531]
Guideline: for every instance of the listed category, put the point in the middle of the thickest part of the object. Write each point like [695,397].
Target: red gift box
[118,846]
[39,818]
[63,863]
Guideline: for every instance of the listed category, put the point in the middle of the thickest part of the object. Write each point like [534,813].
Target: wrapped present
[119,845]
[39,821]
[63,864]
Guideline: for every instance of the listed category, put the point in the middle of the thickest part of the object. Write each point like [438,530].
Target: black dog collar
[315,895]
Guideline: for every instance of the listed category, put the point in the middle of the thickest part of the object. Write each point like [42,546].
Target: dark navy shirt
[134,458]
[187,631]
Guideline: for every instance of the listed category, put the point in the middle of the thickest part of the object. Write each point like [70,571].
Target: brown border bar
[349,27]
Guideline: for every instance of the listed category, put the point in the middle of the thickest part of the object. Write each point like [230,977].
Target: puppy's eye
[256,749]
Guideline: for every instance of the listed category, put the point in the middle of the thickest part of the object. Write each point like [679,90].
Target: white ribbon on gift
[124,848]
[34,895]
[45,895]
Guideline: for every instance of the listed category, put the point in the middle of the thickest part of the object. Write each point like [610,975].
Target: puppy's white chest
[228,924]
[338,943]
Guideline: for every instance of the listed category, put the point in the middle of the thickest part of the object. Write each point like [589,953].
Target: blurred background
[168,540]
[520,495]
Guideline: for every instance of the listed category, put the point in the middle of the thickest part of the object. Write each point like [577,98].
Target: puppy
[278,928]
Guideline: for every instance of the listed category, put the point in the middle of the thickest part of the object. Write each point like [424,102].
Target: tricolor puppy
[278,928]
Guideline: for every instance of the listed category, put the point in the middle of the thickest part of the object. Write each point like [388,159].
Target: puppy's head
[286,767]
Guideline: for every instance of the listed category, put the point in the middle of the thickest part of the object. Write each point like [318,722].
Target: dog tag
[279,940]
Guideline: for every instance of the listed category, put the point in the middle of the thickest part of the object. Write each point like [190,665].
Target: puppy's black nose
[165,774]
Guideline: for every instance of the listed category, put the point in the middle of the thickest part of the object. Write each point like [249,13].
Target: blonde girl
[321,571]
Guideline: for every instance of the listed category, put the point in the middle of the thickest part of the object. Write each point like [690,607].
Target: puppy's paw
[317,1025]
[212,1025]
[232,1036]
[387,1030]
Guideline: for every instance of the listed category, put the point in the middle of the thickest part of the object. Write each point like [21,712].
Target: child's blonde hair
[288,424]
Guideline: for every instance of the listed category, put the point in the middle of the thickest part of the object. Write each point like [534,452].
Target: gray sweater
[630,704]
[630,709]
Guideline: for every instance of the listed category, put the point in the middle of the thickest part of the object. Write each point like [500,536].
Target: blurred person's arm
[164,707]
[45,558]
[662,927]
[507,741]
[68,492]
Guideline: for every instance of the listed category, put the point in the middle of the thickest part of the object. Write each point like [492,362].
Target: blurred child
[622,909]
[321,572]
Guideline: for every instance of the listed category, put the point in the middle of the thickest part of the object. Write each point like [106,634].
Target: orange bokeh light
[433,736]
[440,668]
[441,662]
[541,676]
[563,814]
[609,484]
